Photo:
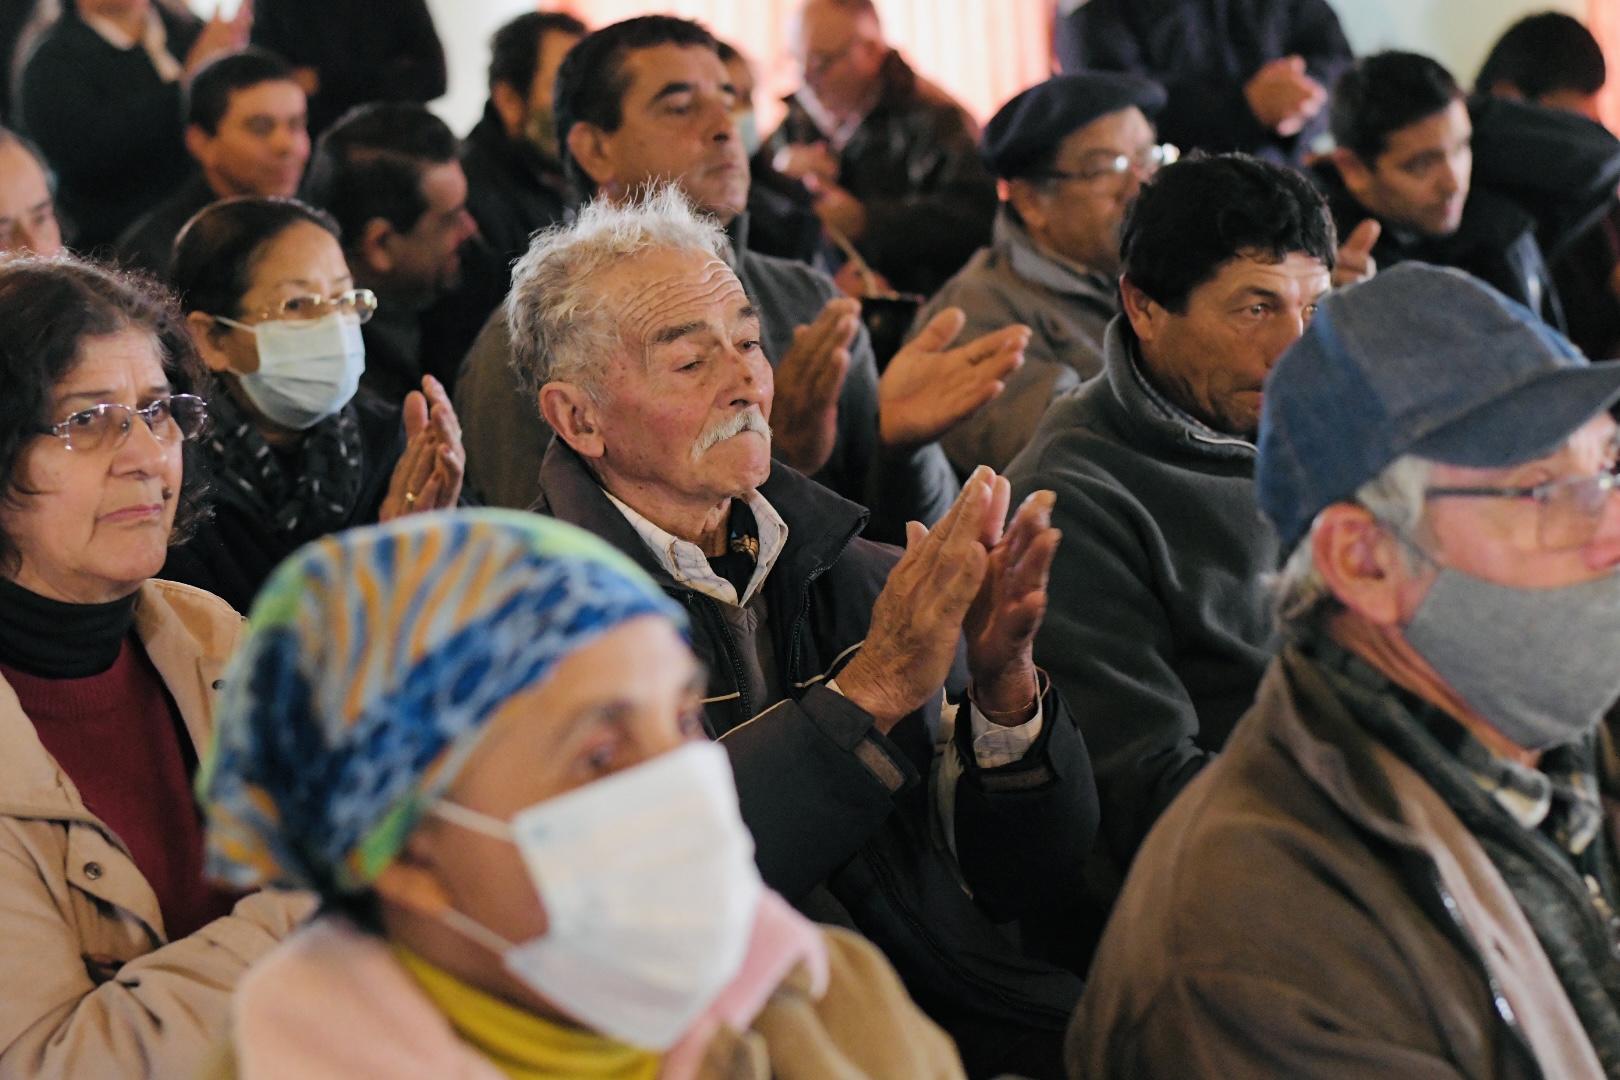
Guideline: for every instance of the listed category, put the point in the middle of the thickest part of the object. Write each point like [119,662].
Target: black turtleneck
[54,640]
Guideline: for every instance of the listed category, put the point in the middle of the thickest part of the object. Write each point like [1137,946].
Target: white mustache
[749,419]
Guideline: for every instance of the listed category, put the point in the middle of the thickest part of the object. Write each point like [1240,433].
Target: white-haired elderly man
[1402,863]
[873,802]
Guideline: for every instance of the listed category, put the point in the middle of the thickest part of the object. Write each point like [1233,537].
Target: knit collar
[519,1043]
[55,640]
[1559,798]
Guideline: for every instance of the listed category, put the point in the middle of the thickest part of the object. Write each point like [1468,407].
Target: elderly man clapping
[1401,864]
[826,656]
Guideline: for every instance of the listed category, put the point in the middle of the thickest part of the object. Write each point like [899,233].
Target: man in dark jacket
[1405,158]
[648,99]
[889,157]
[1403,863]
[245,128]
[390,174]
[873,802]
[1160,626]
[1250,75]
[515,182]
[350,52]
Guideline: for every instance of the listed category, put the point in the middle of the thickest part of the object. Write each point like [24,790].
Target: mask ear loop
[494,827]
[475,931]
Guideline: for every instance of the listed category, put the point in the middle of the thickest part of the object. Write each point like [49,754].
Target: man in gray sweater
[1159,626]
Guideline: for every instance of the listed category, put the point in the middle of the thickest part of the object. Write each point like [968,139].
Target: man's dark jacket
[362,50]
[1496,242]
[914,163]
[149,243]
[107,123]
[1204,52]
[512,188]
[843,816]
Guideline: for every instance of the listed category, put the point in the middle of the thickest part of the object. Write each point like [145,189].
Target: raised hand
[917,618]
[1000,626]
[809,378]
[429,473]
[1283,97]
[1355,262]
[220,35]
[928,388]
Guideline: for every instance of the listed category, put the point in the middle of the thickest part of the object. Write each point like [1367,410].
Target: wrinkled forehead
[663,287]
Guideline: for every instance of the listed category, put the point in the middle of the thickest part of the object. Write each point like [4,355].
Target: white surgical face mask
[308,368]
[650,892]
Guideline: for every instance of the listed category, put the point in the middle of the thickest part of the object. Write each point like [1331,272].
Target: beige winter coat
[90,985]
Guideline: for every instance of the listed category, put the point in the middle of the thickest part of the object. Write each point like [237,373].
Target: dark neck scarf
[301,495]
[742,548]
[54,640]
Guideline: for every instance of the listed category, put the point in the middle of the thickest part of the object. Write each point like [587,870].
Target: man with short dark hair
[1551,60]
[889,157]
[648,100]
[515,183]
[1404,862]
[1159,627]
[1405,159]
[245,128]
[1072,152]
[390,174]
[27,204]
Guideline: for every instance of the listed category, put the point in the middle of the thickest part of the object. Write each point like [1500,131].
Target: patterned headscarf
[375,659]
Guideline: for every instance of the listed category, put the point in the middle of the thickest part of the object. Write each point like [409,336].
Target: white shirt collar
[685,562]
[155,40]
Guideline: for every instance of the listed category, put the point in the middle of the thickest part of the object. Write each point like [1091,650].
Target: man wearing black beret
[1073,152]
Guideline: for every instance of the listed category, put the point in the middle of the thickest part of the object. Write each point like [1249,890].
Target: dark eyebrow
[99,396]
[748,311]
[1252,292]
[671,89]
[671,334]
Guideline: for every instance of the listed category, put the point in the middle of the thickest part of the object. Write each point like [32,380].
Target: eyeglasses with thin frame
[361,303]
[173,419]
[1101,165]
[1568,510]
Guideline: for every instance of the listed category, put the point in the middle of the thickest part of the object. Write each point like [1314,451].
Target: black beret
[1025,130]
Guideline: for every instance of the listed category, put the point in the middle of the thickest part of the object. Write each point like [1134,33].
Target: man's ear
[1147,316]
[1356,174]
[591,147]
[510,107]
[575,417]
[372,246]
[1024,196]
[209,338]
[198,143]
[1361,562]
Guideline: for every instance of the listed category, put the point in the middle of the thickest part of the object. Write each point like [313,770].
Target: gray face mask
[1542,666]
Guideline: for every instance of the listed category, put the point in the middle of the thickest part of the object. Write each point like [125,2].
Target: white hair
[559,326]
[1394,497]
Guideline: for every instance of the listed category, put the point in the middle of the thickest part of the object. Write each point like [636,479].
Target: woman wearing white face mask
[478,737]
[294,452]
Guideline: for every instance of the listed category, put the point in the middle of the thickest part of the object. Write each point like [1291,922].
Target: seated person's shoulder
[212,623]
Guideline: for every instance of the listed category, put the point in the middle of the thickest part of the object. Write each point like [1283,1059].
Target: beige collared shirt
[993,745]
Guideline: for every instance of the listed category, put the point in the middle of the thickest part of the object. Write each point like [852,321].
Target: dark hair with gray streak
[50,308]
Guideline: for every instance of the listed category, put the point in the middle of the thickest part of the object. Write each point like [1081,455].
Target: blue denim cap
[1420,360]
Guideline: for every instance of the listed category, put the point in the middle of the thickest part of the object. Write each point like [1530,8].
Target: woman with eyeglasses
[118,958]
[294,452]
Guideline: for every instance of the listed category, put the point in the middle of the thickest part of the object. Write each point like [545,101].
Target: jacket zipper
[1504,1008]
[729,644]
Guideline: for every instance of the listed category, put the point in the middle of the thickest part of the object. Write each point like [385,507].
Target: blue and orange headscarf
[375,658]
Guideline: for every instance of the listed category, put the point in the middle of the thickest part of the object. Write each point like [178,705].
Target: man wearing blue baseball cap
[1401,865]
[1072,152]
